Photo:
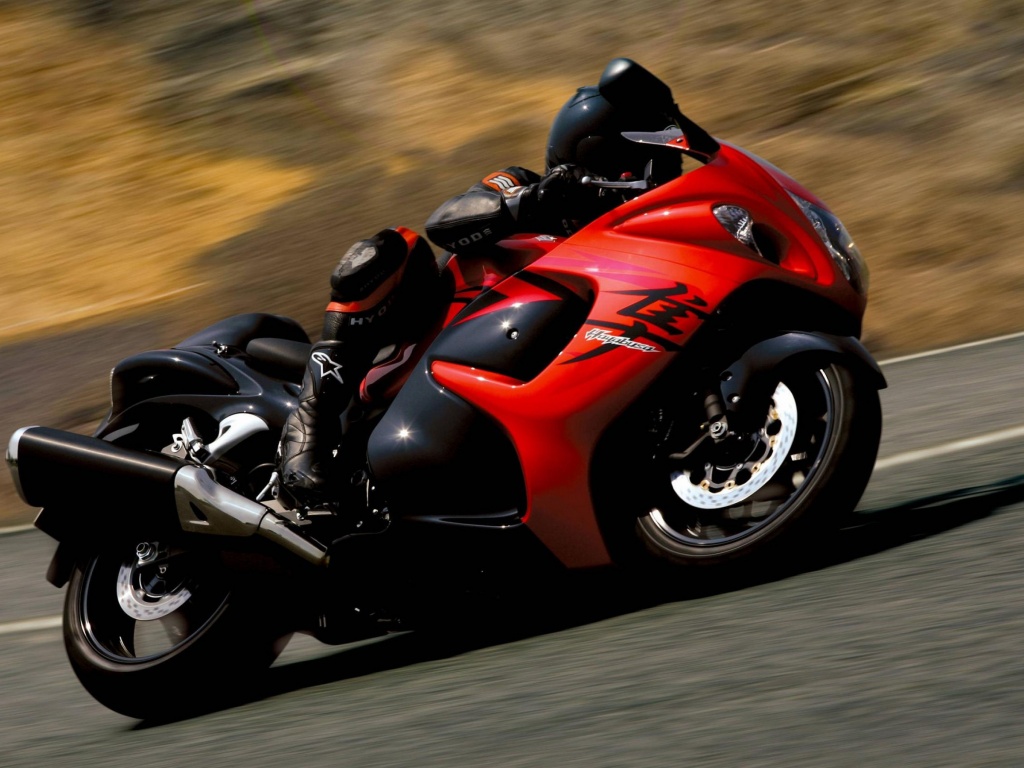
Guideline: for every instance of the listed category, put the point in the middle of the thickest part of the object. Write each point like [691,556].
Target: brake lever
[643,184]
[590,181]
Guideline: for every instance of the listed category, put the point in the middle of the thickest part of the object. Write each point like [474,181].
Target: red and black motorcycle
[680,383]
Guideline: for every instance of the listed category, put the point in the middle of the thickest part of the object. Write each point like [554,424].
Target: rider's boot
[312,431]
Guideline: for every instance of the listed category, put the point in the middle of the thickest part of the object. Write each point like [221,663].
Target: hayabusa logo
[627,337]
[601,335]
[662,307]
[655,308]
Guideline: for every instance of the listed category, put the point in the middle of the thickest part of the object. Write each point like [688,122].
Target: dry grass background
[212,156]
[137,136]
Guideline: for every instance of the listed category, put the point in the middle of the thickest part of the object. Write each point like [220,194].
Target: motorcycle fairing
[209,372]
[657,267]
[674,222]
[555,418]
[434,445]
[575,366]
[515,330]
[213,386]
[433,452]
[473,277]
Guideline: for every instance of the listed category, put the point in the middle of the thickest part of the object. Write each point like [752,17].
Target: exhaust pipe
[57,470]
[205,506]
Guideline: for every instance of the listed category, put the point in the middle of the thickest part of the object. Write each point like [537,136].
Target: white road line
[943,350]
[30,625]
[16,529]
[957,445]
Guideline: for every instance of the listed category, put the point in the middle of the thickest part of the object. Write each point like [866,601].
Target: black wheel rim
[134,612]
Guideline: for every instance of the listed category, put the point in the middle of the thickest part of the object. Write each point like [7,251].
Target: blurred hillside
[165,164]
[228,150]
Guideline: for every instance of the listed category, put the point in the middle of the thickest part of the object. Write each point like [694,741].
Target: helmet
[587,131]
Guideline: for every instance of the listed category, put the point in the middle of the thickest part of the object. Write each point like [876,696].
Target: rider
[384,287]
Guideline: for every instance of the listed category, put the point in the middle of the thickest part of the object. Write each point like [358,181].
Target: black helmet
[587,131]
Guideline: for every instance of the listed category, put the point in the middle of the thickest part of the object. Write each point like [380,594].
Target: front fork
[713,431]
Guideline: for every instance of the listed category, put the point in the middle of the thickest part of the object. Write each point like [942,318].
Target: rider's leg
[369,286]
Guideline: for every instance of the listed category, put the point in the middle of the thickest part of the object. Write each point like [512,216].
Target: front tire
[806,466]
[154,631]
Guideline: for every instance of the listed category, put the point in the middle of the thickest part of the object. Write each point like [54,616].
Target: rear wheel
[807,462]
[152,630]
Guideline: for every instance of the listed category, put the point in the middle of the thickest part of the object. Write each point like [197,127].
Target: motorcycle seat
[285,358]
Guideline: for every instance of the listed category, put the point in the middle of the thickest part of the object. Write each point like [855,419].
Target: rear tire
[164,637]
[806,468]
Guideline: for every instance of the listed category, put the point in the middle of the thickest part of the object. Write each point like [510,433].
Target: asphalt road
[900,645]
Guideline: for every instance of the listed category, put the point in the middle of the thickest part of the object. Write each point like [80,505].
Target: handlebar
[642,184]
[590,181]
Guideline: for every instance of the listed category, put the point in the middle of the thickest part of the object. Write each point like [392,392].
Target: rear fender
[166,372]
[212,363]
[153,391]
[748,383]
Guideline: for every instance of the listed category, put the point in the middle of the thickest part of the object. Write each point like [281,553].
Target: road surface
[900,646]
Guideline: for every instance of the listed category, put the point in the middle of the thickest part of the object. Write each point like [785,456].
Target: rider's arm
[494,208]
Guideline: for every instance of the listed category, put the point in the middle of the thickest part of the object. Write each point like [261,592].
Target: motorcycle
[677,386]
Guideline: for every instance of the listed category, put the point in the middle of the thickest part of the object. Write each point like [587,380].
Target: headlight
[838,242]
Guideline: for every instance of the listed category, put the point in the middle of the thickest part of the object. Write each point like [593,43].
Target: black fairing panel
[154,389]
[454,459]
[517,341]
[434,452]
[209,373]
[166,372]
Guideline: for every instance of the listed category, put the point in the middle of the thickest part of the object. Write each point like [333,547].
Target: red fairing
[641,314]
[473,276]
[656,268]
[675,223]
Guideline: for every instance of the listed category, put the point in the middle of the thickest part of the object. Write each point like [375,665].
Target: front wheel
[153,630]
[808,460]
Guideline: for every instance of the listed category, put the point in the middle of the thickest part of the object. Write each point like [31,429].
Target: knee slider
[367,266]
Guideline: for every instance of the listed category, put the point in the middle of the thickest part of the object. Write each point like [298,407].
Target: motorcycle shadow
[870,531]
[588,598]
